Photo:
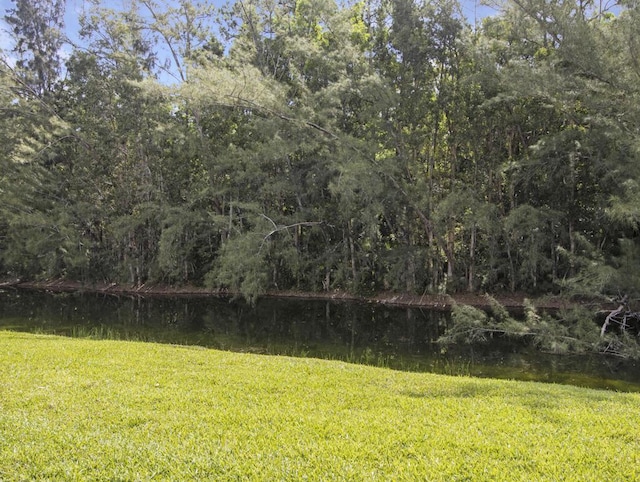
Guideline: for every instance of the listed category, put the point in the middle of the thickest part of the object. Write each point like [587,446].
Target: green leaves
[384,146]
[241,266]
[37,29]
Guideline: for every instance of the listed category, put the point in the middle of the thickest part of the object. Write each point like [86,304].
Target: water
[403,339]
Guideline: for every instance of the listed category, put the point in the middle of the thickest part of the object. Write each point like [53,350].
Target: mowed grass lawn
[74,409]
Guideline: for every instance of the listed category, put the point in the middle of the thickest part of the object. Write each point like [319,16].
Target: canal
[391,337]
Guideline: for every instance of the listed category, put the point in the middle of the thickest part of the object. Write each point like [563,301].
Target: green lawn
[74,409]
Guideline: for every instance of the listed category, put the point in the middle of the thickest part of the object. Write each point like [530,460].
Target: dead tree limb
[622,308]
[277,228]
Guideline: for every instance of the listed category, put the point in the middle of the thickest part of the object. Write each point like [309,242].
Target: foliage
[241,266]
[571,331]
[473,325]
[37,29]
[387,145]
[145,411]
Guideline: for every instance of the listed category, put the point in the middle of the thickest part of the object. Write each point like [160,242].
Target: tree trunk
[512,271]
[411,275]
[620,309]
[326,282]
[572,248]
[472,259]
[450,252]
[352,252]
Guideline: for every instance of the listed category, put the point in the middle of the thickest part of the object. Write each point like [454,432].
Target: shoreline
[440,302]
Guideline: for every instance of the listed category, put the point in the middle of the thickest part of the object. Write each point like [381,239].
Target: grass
[73,409]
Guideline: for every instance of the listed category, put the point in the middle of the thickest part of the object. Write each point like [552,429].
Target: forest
[315,145]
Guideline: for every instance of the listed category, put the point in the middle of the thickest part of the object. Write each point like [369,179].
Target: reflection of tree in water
[355,332]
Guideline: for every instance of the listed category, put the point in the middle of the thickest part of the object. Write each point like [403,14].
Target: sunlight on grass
[75,409]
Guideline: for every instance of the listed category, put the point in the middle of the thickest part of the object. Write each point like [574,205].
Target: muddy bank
[511,301]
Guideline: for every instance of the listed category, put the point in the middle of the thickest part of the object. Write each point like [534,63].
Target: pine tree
[37,28]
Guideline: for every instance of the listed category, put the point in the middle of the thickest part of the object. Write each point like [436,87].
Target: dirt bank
[512,301]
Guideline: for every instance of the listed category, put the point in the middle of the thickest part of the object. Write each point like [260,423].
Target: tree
[416,48]
[37,28]
[184,28]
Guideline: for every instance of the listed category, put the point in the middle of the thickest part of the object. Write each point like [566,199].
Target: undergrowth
[572,331]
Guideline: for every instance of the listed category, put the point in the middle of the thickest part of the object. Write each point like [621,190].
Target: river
[395,338]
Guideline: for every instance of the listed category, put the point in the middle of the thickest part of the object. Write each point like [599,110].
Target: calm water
[361,333]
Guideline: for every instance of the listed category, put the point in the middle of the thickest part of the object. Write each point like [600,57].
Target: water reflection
[362,333]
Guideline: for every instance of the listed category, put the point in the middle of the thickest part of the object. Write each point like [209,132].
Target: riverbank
[102,410]
[511,301]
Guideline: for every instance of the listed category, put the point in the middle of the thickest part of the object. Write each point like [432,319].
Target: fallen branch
[277,228]
[620,309]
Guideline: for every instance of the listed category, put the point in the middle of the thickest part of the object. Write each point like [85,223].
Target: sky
[4,37]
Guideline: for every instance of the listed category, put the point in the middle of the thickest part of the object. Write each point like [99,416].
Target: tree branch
[620,309]
[277,229]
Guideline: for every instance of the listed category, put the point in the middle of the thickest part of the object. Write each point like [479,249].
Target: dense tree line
[312,145]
